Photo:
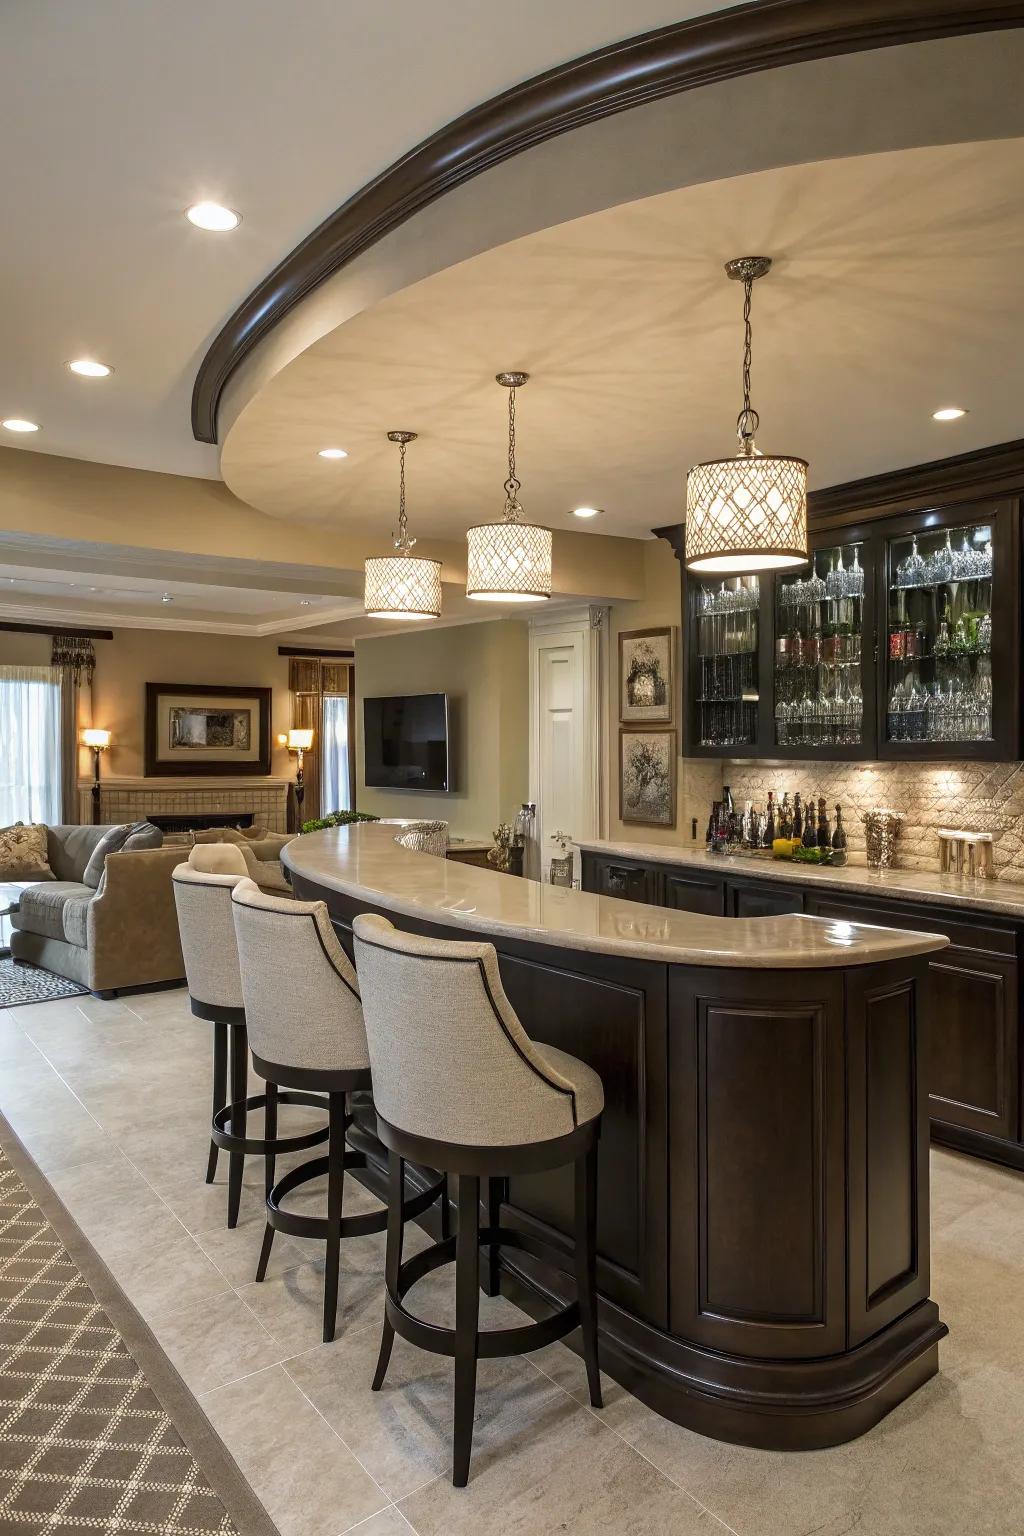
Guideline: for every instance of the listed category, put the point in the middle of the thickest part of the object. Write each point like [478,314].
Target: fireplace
[184,822]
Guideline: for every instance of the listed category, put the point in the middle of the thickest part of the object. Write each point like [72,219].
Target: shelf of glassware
[939,637]
[819,628]
[726,682]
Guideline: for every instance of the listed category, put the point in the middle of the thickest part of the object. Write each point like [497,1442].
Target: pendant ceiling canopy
[747,513]
[402,585]
[510,561]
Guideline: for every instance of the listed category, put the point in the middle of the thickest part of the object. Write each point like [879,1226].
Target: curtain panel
[31,737]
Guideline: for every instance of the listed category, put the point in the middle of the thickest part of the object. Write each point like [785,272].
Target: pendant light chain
[403,541]
[513,485]
[748,421]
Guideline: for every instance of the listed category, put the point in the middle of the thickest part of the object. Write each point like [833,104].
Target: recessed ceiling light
[333,453]
[87,368]
[213,216]
[167,598]
[19,424]
[304,602]
[587,511]
[949,413]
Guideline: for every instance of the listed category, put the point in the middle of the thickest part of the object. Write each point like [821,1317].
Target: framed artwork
[646,676]
[199,728]
[647,777]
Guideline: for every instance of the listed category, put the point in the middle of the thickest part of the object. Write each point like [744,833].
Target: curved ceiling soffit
[766,34]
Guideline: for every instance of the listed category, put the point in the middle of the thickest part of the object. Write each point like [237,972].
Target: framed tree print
[647,778]
[198,728]
[646,676]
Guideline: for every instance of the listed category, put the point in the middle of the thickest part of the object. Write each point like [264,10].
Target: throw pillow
[23,853]
[143,834]
[113,839]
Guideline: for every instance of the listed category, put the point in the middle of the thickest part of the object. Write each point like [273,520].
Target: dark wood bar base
[763,1254]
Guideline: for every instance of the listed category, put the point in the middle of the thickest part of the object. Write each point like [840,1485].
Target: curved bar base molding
[763,1251]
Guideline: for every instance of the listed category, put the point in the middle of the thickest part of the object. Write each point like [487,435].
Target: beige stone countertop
[906,884]
[364,861]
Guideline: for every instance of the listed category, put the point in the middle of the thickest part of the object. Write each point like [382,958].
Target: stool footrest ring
[493,1343]
[367,1222]
[223,1136]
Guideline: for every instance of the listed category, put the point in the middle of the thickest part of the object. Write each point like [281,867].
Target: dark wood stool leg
[492,1274]
[239,1093]
[393,1260]
[586,1266]
[220,1087]
[335,1197]
[446,1210]
[467,1318]
[270,1132]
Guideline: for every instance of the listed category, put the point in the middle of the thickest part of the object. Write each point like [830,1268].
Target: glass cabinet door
[939,635]
[819,638]
[727,622]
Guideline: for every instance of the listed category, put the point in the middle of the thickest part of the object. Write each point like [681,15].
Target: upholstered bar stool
[459,1084]
[202,896]
[306,1032]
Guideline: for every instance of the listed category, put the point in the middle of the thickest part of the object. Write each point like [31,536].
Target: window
[335,787]
[30,748]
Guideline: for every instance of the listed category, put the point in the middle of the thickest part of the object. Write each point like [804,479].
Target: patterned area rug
[86,1444]
[21,984]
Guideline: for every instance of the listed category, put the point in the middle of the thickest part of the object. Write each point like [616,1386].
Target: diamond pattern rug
[85,1443]
[23,984]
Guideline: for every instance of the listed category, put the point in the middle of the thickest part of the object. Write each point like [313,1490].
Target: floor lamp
[299,742]
[98,742]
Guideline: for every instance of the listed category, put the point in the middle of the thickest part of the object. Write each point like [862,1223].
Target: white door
[565,755]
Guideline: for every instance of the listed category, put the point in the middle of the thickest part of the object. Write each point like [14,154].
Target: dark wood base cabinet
[975,1060]
[763,1261]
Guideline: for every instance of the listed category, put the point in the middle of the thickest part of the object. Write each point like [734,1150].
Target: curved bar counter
[763,1251]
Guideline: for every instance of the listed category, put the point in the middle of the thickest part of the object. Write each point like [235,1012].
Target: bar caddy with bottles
[782,829]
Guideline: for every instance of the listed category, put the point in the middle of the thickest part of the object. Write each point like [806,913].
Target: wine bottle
[785,817]
[839,839]
[798,816]
[824,835]
[810,838]
[769,831]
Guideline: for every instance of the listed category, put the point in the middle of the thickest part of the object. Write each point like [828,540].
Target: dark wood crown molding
[747,40]
[56,629]
[994,471]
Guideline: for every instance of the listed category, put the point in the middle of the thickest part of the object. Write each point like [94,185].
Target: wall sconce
[299,742]
[98,741]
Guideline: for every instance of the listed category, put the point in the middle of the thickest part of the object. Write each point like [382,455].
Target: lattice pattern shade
[402,587]
[509,562]
[746,514]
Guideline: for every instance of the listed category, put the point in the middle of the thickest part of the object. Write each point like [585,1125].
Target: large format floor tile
[112,1098]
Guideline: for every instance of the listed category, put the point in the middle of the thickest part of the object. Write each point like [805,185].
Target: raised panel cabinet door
[888,1144]
[763,901]
[757,1135]
[693,893]
[973,1023]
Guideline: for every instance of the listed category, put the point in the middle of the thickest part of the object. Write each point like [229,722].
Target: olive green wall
[484,669]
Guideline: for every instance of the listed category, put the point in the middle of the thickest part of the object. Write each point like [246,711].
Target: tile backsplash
[969,797]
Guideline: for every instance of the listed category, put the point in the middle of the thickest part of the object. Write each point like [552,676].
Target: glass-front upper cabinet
[947,596]
[726,675]
[821,632]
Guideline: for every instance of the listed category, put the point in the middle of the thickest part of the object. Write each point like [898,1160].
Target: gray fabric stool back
[450,1059]
[207,927]
[459,1085]
[301,995]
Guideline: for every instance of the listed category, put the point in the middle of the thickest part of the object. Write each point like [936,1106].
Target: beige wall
[484,669]
[695,780]
[136,657]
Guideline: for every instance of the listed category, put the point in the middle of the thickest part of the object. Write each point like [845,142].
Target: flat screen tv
[405,742]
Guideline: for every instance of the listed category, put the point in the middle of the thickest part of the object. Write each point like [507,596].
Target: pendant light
[509,562]
[748,513]
[402,585]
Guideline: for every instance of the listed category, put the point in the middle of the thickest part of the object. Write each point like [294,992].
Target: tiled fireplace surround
[122,799]
[975,797]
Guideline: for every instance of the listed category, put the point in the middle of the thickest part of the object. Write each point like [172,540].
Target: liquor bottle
[785,817]
[798,816]
[839,839]
[769,831]
[810,838]
[712,831]
[727,804]
[824,835]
